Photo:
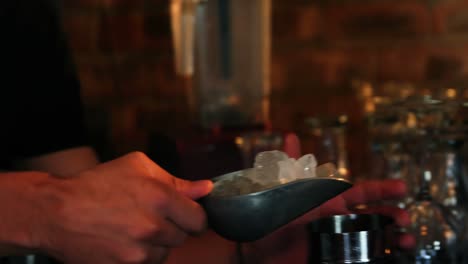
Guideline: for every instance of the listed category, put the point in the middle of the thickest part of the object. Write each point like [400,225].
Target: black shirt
[40,107]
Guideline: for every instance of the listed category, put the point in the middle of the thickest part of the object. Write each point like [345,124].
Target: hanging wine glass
[437,213]
[435,237]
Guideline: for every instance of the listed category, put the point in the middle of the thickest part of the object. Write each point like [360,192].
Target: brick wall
[123,51]
[321,46]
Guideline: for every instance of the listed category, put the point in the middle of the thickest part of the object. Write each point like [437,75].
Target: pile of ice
[277,167]
[271,168]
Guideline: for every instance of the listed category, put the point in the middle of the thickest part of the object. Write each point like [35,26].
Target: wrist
[27,201]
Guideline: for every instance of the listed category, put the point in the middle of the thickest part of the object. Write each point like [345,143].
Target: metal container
[365,238]
[249,217]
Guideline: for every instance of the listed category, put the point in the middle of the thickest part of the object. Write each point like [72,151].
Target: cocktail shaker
[364,238]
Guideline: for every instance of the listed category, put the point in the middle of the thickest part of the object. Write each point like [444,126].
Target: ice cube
[266,166]
[291,169]
[307,164]
[271,168]
[287,171]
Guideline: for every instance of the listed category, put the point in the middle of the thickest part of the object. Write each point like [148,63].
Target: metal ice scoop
[248,216]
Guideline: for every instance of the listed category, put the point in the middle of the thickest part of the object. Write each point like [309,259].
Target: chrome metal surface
[252,216]
[352,238]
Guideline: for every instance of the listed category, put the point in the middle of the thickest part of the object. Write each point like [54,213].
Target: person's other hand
[125,211]
[289,244]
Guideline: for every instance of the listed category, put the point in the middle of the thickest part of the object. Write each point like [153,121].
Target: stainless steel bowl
[365,238]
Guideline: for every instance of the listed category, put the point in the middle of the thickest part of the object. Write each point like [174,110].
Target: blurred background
[377,87]
[325,58]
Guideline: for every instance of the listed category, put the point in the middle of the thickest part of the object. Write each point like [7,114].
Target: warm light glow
[451,93]
[367,90]
[343,119]
[449,235]
[388,251]
[411,120]
[361,207]
[239,141]
[434,188]
[423,230]
[369,107]
[378,99]
[343,171]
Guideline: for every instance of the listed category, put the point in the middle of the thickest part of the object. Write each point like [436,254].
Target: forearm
[62,163]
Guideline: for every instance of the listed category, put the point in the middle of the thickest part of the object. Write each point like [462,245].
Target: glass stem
[425,193]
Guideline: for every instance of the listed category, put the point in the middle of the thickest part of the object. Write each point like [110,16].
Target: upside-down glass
[329,136]
[418,139]
[436,238]
[438,210]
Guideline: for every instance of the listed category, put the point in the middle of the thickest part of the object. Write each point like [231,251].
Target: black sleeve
[40,101]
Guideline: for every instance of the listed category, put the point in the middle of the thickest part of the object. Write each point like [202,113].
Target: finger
[192,189]
[140,253]
[164,233]
[185,213]
[157,255]
[370,191]
[292,146]
[400,216]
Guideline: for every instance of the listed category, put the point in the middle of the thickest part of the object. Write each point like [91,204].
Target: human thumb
[193,189]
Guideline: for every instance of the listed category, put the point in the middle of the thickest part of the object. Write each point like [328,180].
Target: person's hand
[126,211]
[289,244]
